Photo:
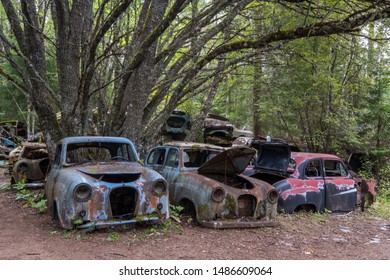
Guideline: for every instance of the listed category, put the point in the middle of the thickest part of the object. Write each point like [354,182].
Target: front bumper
[238,224]
[108,223]
[37,185]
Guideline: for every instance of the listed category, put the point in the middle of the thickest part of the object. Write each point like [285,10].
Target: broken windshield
[78,153]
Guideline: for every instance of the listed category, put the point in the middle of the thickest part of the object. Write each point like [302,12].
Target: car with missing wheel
[206,180]
[308,181]
[98,182]
[29,164]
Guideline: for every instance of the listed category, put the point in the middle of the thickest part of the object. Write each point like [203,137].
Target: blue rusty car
[97,182]
[307,181]
[207,181]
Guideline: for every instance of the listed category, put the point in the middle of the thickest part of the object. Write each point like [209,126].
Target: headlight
[159,188]
[82,192]
[273,196]
[218,194]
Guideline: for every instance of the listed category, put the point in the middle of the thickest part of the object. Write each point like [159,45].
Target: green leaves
[32,199]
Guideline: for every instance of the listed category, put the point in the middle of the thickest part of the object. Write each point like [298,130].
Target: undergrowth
[381,207]
[31,199]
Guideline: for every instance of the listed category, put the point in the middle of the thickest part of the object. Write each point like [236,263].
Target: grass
[381,207]
[113,236]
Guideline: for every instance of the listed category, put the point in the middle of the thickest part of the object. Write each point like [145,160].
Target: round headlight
[82,192]
[159,188]
[218,194]
[273,196]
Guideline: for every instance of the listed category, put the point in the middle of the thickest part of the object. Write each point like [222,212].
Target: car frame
[206,180]
[29,164]
[111,188]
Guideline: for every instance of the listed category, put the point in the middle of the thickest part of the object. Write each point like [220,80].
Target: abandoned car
[218,130]
[176,127]
[357,162]
[206,180]
[307,181]
[29,164]
[5,142]
[6,146]
[97,182]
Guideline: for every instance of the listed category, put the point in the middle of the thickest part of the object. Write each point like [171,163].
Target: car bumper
[238,224]
[108,223]
[37,185]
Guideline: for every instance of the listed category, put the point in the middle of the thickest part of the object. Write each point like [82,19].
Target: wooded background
[313,72]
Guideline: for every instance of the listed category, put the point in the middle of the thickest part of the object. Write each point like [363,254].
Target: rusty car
[367,187]
[305,181]
[98,182]
[177,126]
[29,164]
[206,180]
[218,130]
[6,146]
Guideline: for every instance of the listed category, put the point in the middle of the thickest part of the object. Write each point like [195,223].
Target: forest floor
[26,234]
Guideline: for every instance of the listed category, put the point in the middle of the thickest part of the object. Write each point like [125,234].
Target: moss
[230,204]
[203,211]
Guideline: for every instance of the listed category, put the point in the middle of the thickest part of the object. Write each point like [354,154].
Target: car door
[312,185]
[171,166]
[340,190]
[156,159]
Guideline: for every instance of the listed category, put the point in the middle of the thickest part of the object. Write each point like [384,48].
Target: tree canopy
[315,72]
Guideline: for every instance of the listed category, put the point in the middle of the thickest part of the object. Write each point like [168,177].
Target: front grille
[123,202]
[246,205]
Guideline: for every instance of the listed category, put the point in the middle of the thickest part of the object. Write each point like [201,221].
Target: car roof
[108,139]
[304,155]
[182,144]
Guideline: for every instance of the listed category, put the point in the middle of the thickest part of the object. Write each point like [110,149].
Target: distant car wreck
[29,164]
[219,131]
[176,127]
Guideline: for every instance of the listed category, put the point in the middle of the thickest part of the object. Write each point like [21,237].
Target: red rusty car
[309,181]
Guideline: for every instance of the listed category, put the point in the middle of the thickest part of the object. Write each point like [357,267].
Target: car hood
[232,161]
[273,157]
[110,168]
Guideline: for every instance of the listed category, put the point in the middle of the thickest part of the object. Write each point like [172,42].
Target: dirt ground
[27,235]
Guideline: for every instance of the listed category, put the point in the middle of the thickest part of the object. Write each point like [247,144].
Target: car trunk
[272,162]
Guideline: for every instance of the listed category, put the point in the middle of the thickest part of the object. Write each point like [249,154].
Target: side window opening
[334,168]
[172,158]
[157,157]
[313,168]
